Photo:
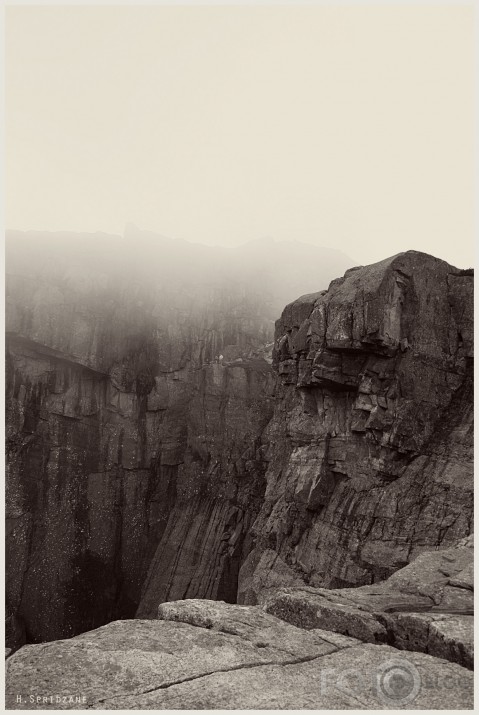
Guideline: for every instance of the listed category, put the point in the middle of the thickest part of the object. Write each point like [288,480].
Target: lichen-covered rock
[250,623]
[370,446]
[222,656]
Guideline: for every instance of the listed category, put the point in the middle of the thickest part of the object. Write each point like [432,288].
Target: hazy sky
[347,126]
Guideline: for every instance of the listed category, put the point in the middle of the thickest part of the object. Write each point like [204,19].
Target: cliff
[370,444]
[144,468]
[333,498]
[129,442]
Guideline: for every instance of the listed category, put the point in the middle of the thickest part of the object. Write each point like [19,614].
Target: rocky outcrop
[212,655]
[427,606]
[129,441]
[370,445]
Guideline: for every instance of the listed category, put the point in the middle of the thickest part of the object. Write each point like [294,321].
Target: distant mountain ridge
[279,270]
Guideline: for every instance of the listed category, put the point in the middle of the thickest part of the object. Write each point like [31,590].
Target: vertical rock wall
[370,454]
[126,431]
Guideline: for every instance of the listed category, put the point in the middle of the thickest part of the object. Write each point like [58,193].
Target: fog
[171,273]
[347,127]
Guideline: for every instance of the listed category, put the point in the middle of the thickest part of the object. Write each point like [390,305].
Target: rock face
[213,655]
[129,441]
[370,445]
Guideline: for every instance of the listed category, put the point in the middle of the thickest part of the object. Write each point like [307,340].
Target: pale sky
[346,126]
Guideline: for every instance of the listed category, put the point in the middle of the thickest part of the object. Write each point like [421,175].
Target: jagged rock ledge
[427,606]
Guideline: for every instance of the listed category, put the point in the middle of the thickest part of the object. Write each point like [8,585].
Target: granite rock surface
[210,655]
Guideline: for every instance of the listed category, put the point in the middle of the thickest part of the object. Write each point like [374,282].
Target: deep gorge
[165,441]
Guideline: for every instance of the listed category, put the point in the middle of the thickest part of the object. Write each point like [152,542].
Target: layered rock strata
[370,446]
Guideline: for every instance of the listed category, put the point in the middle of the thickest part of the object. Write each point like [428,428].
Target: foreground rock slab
[227,656]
